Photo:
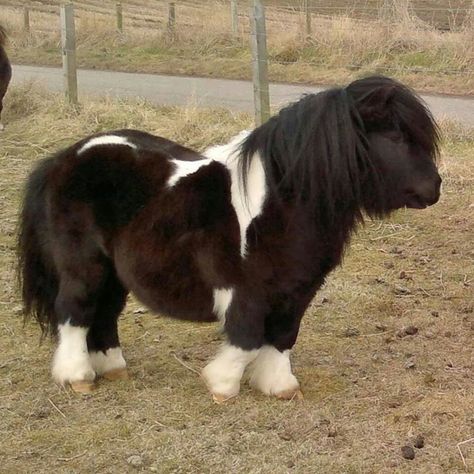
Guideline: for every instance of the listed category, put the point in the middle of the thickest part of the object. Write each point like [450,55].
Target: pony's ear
[375,105]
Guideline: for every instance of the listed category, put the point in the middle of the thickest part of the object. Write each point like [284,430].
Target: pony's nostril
[422,196]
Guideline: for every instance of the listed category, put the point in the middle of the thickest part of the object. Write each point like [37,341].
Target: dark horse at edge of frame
[5,70]
[244,233]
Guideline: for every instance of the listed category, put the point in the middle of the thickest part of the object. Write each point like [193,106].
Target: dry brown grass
[362,403]
[340,49]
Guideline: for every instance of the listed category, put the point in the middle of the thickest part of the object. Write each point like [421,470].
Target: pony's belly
[191,302]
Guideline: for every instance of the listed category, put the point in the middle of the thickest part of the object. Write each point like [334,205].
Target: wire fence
[384,37]
[445,17]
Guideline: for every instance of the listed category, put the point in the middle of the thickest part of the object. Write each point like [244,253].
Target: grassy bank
[369,387]
[340,49]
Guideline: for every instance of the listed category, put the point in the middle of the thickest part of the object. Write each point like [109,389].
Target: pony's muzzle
[424,194]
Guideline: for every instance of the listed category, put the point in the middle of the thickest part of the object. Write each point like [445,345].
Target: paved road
[177,90]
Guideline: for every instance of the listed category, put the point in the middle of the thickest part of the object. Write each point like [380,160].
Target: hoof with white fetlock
[222,388]
[82,386]
[109,364]
[221,399]
[116,374]
[71,363]
[222,375]
[290,395]
[271,374]
[77,373]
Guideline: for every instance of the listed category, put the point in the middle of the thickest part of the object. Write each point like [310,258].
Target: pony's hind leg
[75,308]
[103,339]
[81,271]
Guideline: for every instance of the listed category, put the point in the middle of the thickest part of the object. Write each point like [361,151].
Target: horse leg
[244,329]
[271,372]
[82,274]
[75,308]
[223,374]
[103,339]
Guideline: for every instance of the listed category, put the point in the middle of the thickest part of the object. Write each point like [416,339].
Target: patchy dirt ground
[385,352]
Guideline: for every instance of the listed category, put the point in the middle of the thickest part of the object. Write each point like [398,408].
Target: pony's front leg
[244,330]
[271,372]
[223,374]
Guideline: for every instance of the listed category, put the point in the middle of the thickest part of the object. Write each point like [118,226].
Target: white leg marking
[2,127]
[246,207]
[106,140]
[223,374]
[111,360]
[271,372]
[222,300]
[71,362]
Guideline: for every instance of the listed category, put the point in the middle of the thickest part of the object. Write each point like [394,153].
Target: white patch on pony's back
[71,362]
[184,168]
[271,372]
[111,360]
[223,374]
[222,300]
[106,140]
[246,207]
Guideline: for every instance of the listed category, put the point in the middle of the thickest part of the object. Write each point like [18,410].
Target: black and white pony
[5,70]
[245,233]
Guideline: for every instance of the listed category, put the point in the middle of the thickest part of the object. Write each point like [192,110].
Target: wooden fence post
[171,18]
[119,17]
[260,63]
[235,18]
[68,46]
[308,17]
[26,18]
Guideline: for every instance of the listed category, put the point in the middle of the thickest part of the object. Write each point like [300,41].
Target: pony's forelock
[404,109]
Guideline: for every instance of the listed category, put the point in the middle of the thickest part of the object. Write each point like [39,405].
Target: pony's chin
[416,204]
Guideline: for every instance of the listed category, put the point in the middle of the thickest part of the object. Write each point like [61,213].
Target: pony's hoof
[290,395]
[83,386]
[219,399]
[116,374]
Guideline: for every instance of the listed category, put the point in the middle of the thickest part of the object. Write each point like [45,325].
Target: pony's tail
[3,36]
[36,274]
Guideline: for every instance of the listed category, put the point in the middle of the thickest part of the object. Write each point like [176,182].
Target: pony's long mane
[315,150]
[3,36]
